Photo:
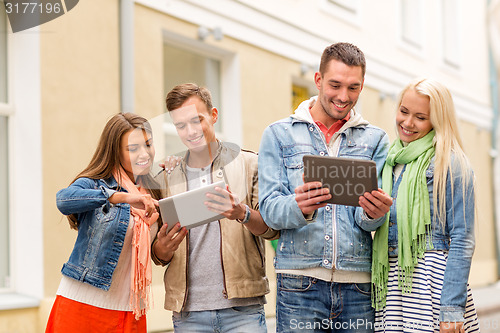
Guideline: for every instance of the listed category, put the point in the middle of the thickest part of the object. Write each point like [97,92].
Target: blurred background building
[60,83]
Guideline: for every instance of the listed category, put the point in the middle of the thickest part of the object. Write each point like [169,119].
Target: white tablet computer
[189,208]
[347,178]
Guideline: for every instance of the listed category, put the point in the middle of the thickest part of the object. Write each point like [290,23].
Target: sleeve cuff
[270,234]
[108,192]
[311,217]
[451,314]
[365,217]
[155,259]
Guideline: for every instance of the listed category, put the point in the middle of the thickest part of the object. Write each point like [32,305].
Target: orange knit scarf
[140,288]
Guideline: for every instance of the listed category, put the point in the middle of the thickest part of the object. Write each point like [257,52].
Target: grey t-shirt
[205,276]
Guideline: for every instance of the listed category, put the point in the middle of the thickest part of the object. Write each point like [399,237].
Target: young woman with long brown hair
[112,203]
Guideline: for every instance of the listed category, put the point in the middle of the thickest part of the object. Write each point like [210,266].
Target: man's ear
[215,115]
[317,80]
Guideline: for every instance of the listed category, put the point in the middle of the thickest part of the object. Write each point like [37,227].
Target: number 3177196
[32,8]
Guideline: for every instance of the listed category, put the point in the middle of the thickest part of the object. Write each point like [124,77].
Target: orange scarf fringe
[140,288]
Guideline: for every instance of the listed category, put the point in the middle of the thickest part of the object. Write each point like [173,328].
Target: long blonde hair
[449,157]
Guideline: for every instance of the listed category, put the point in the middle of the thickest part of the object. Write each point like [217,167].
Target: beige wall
[266,91]
[477,144]
[20,321]
[80,91]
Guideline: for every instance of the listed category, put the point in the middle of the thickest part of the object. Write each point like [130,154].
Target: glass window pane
[3,55]
[451,33]
[182,66]
[411,22]
[349,5]
[299,94]
[4,206]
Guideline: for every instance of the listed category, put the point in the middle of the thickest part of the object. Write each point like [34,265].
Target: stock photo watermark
[362,324]
[343,179]
[329,324]
[24,14]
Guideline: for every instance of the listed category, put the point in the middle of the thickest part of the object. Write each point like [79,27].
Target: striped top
[419,310]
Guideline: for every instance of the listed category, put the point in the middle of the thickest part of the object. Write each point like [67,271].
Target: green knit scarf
[413,216]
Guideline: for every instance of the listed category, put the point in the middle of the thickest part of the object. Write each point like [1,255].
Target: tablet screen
[189,208]
[347,178]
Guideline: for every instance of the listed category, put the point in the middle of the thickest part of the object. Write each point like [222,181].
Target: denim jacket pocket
[351,149]
[106,213]
[294,164]
[293,156]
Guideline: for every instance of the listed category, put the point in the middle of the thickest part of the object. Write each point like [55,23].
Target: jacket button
[327,208]
[325,262]
[219,173]
[322,153]
[327,237]
[311,129]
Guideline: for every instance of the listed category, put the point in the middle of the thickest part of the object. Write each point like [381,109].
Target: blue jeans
[239,319]
[306,304]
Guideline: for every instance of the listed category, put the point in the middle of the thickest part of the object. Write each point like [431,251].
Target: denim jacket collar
[110,182]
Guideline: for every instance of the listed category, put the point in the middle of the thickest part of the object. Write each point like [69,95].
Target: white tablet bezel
[188,208]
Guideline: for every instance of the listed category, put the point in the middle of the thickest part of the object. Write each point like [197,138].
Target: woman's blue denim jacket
[457,238]
[101,232]
[336,236]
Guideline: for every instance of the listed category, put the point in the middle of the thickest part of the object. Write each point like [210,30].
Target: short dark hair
[180,93]
[347,53]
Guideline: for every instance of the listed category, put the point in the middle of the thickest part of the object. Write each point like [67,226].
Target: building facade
[61,81]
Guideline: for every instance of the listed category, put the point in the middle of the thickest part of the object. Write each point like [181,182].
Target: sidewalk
[487,301]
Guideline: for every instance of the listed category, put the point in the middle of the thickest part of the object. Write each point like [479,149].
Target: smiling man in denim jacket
[323,258]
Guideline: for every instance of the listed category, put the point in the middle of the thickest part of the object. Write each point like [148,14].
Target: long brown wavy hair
[107,155]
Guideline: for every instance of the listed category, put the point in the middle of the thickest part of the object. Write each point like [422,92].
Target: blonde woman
[422,253]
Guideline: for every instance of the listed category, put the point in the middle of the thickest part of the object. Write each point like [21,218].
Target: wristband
[247,216]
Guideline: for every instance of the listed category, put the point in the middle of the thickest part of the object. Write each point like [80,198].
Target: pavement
[487,301]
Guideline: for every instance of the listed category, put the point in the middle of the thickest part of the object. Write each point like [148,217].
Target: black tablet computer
[347,178]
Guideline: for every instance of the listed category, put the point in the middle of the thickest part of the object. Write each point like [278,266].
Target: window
[451,32]
[412,24]
[346,10]
[300,93]
[21,229]
[183,65]
[348,5]
[3,56]
[4,206]
[4,172]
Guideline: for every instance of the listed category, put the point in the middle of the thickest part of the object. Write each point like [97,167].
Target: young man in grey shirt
[215,278]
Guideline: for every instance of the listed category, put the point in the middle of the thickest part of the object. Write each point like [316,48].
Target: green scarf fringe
[413,216]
